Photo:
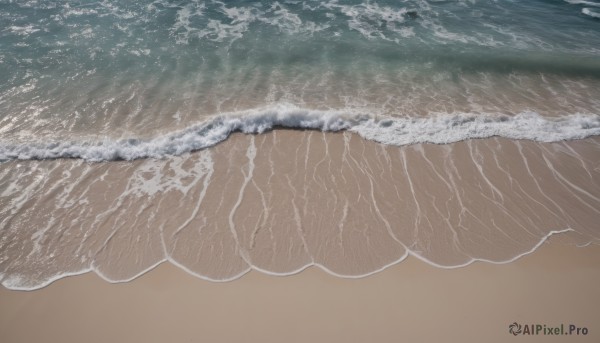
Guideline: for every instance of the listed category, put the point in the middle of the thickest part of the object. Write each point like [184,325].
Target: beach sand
[408,302]
[286,199]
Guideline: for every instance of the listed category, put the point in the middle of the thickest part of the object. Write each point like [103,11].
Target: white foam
[23,30]
[583,2]
[590,13]
[182,26]
[372,20]
[438,129]
[238,22]
[444,129]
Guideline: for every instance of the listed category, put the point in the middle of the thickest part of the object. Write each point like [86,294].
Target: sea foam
[398,131]
[590,13]
[583,2]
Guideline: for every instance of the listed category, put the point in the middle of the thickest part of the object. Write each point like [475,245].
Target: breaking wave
[437,129]
[590,13]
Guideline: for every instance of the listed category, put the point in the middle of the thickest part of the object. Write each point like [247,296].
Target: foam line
[14,284]
[583,2]
[436,128]
[590,13]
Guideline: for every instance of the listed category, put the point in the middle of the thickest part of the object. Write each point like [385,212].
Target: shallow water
[284,200]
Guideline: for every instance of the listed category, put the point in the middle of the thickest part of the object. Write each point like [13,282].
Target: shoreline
[409,301]
[409,254]
[285,200]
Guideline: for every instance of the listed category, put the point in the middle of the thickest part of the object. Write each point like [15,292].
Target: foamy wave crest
[583,2]
[443,129]
[437,129]
[590,13]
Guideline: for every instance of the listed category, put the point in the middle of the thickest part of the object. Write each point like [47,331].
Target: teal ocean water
[112,79]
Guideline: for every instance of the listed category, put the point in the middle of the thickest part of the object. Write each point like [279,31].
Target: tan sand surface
[408,302]
[284,200]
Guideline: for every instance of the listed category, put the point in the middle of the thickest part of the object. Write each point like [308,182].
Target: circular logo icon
[514,328]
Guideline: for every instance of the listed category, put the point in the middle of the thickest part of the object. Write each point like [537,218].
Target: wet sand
[284,200]
[408,302]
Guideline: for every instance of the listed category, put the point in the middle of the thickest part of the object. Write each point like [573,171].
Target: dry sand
[409,302]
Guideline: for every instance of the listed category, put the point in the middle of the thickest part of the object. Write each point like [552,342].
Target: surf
[442,128]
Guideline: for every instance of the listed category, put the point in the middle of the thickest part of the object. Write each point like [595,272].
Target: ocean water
[105,80]
[94,89]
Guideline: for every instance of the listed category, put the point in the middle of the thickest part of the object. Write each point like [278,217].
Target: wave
[437,129]
[583,2]
[590,13]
